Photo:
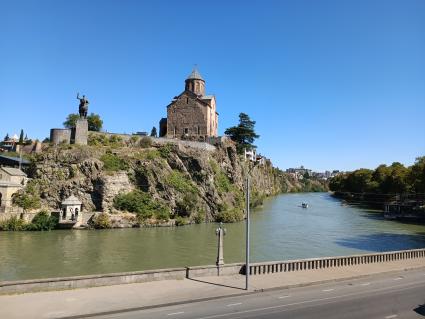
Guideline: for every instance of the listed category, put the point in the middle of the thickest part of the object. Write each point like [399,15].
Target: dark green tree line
[393,179]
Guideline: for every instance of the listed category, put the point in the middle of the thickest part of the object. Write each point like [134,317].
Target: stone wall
[60,135]
[24,286]
[188,116]
[80,132]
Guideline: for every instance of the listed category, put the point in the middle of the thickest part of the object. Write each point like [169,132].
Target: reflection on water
[280,230]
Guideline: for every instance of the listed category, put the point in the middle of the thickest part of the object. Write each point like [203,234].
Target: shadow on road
[215,284]
[420,310]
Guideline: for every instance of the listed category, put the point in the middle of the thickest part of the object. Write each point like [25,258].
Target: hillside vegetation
[154,183]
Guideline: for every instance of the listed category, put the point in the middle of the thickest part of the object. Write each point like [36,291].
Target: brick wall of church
[187,117]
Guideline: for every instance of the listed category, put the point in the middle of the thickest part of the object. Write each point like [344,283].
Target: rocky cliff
[183,183]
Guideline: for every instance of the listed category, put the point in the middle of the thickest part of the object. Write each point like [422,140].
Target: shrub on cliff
[142,204]
[101,221]
[145,142]
[113,163]
[165,150]
[29,198]
[43,221]
[13,224]
[230,216]
[180,182]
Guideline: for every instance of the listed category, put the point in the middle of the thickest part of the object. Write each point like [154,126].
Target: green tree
[21,137]
[94,121]
[154,133]
[6,138]
[416,175]
[243,134]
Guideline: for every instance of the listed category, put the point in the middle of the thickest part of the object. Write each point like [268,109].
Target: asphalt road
[400,295]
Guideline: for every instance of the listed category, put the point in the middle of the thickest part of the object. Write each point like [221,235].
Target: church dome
[195,75]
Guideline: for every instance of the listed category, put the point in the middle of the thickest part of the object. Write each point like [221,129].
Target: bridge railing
[331,262]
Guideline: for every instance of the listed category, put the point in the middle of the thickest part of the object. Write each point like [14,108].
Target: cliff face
[190,183]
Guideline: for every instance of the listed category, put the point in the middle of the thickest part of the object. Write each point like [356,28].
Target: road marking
[392,316]
[234,304]
[326,290]
[282,297]
[401,288]
[175,313]
[398,278]
[366,284]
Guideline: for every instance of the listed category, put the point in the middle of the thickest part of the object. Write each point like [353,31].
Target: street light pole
[247,234]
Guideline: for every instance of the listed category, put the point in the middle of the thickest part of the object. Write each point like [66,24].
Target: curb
[256,291]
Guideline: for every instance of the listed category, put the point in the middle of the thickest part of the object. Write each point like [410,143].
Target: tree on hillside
[94,121]
[21,137]
[243,134]
[154,133]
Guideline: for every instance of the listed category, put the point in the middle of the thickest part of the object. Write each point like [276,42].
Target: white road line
[398,278]
[175,313]
[234,304]
[366,284]
[283,297]
[392,316]
[401,288]
[326,290]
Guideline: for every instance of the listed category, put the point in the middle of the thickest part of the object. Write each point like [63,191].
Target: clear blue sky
[331,84]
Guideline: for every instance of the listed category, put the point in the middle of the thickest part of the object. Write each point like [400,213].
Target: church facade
[192,114]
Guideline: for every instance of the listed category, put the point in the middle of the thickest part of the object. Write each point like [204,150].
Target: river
[281,230]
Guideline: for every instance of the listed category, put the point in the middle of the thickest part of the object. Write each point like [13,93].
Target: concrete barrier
[23,286]
[331,262]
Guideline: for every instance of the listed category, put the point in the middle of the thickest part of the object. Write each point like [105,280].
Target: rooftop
[13,171]
[195,75]
[71,200]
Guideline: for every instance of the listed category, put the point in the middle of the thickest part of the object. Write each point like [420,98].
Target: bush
[165,150]
[142,204]
[180,221]
[102,221]
[145,142]
[187,205]
[115,141]
[43,221]
[230,216]
[13,224]
[113,163]
[199,217]
[29,198]
[180,182]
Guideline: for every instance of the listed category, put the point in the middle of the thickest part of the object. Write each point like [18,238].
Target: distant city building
[192,114]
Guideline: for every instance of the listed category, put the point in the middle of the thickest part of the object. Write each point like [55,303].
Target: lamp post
[247,232]
[220,232]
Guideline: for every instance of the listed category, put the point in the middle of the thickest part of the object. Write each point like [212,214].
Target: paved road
[400,295]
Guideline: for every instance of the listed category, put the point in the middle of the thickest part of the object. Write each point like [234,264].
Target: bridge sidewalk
[79,302]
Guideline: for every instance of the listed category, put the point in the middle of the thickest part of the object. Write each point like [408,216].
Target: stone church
[192,114]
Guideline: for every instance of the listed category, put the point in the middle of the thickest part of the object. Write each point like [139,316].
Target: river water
[281,230]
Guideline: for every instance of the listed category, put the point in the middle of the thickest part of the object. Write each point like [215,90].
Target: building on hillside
[13,161]
[11,181]
[192,114]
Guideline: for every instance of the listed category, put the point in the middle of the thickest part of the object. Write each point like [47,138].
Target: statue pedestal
[80,132]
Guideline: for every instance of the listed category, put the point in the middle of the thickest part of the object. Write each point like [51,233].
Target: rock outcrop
[192,184]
